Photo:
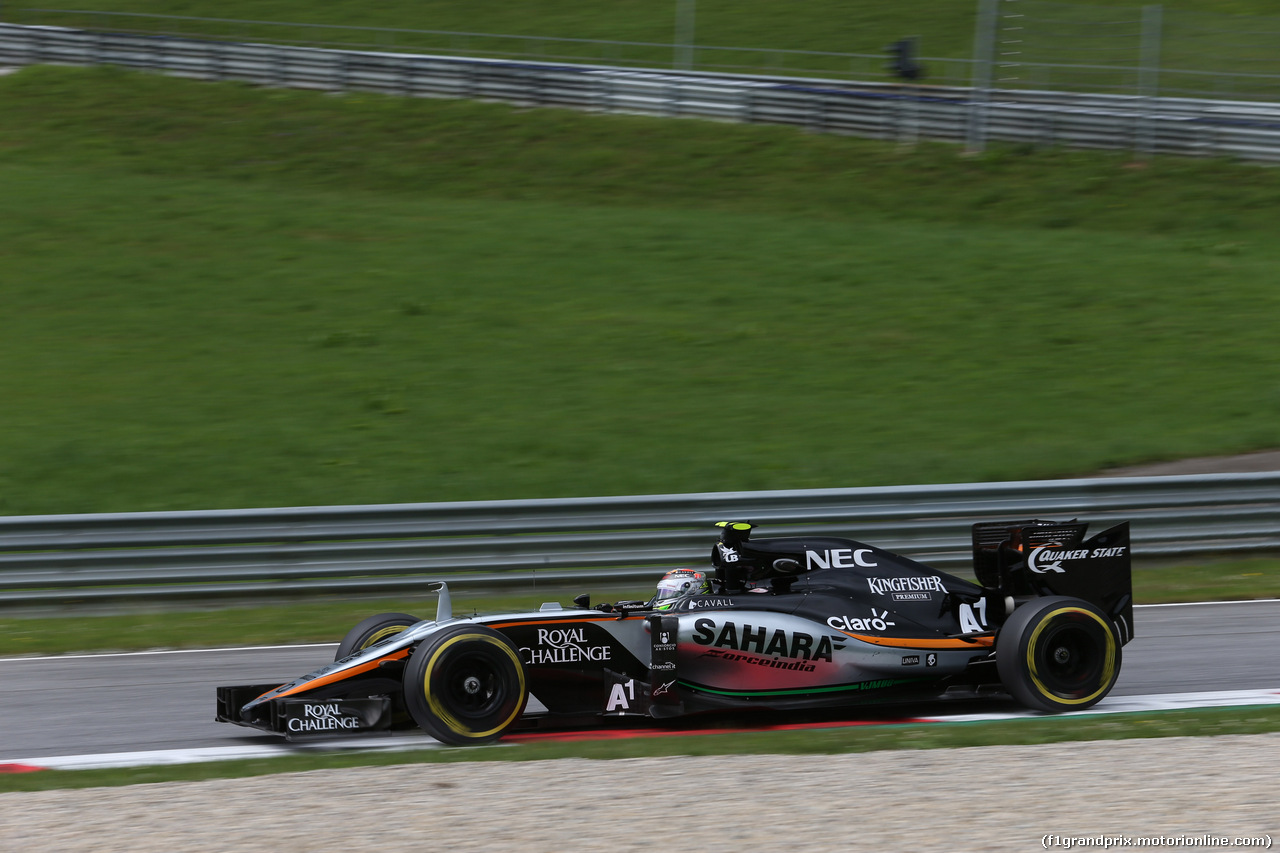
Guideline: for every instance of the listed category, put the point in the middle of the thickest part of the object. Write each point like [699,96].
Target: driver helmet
[677,584]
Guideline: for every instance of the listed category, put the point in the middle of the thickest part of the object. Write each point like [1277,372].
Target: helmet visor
[677,585]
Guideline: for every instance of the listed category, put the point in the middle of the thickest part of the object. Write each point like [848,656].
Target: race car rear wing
[1036,557]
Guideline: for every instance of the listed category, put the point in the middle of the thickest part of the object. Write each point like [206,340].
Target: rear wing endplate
[1037,557]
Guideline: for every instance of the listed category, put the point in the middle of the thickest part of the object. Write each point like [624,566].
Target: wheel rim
[471,686]
[1070,656]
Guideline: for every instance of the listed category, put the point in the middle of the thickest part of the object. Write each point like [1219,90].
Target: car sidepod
[832,652]
[583,663]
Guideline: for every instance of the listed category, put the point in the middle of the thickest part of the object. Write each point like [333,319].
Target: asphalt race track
[95,704]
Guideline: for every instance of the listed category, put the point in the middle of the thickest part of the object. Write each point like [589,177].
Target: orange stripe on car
[344,673]
[910,643]
[561,621]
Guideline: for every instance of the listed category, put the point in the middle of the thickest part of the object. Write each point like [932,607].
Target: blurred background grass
[945,28]
[219,296]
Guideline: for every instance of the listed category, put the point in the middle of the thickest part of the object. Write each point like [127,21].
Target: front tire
[465,685]
[375,629]
[1058,654]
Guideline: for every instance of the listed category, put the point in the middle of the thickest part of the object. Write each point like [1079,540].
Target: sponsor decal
[704,603]
[931,659]
[744,637]
[564,645]
[772,663]
[911,660]
[663,666]
[727,554]
[664,688]
[913,596]
[876,622]
[1048,558]
[839,558]
[322,717]
[878,683]
[664,641]
[911,583]
[973,617]
[663,634]
[621,696]
[1052,560]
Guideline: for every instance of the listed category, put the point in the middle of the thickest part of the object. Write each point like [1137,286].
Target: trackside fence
[108,558]
[901,111]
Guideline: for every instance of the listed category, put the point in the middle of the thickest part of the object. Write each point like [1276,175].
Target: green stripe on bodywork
[877,684]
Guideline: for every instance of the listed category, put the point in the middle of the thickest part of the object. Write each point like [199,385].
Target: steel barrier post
[686,14]
[1149,77]
[984,41]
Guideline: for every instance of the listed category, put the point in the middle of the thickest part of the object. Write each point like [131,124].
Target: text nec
[838,558]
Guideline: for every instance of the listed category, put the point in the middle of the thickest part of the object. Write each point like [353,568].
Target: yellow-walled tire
[465,685]
[1058,654]
[375,629]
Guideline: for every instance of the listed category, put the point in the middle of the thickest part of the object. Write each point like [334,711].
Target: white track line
[1202,603]
[151,652]
[1130,704]
[159,757]
[1116,705]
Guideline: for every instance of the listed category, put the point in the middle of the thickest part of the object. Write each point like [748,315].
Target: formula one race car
[787,624]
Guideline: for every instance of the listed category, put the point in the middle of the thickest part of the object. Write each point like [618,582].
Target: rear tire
[375,629]
[465,685]
[1058,654]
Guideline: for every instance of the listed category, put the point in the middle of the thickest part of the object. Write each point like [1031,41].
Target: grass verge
[1224,721]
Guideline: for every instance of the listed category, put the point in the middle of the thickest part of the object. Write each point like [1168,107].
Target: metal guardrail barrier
[66,559]
[1024,44]
[506,46]
[1247,130]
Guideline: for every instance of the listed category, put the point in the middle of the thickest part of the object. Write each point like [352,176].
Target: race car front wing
[300,718]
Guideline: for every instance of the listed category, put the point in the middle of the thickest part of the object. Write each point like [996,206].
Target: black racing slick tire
[1058,654]
[373,630]
[465,685]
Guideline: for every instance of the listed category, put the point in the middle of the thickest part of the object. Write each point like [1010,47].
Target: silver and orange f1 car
[787,624]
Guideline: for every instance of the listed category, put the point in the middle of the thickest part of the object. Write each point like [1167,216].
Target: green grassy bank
[217,296]
[944,27]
